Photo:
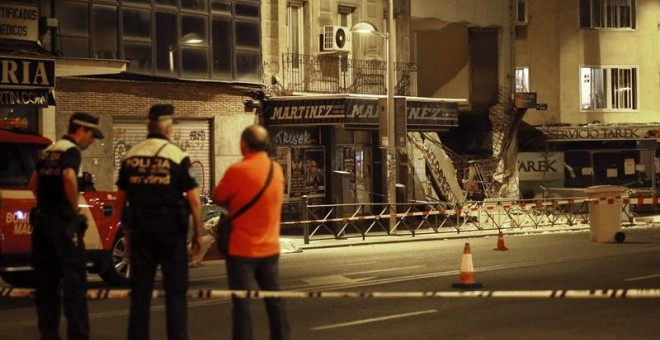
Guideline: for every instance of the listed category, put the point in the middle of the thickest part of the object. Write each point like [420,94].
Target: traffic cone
[467,271]
[500,242]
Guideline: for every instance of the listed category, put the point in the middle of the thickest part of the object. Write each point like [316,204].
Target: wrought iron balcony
[336,73]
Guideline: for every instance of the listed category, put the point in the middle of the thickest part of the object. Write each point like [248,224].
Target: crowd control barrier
[362,219]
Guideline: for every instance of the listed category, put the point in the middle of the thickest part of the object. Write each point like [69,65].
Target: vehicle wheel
[19,279]
[115,269]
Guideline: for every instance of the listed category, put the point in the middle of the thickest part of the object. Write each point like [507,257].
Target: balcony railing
[336,73]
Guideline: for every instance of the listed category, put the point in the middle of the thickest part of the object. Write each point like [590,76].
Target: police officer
[57,239]
[156,194]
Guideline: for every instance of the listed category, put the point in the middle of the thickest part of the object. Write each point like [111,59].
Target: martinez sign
[356,112]
[21,72]
[26,82]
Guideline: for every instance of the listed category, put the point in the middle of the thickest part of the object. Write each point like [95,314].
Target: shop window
[74,28]
[143,2]
[608,88]
[166,2]
[221,6]
[178,31]
[105,32]
[223,31]
[139,56]
[137,24]
[194,46]
[247,65]
[247,34]
[248,10]
[167,58]
[199,5]
[607,14]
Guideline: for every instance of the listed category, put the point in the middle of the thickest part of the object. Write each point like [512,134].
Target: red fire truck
[19,151]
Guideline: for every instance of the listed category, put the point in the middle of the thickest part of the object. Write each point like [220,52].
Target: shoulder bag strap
[254,200]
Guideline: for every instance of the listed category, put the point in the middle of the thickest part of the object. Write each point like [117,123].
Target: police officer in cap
[156,194]
[57,239]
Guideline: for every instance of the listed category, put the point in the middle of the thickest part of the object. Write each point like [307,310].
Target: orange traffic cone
[500,242]
[467,271]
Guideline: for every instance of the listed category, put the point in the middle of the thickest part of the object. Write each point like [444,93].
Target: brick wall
[111,99]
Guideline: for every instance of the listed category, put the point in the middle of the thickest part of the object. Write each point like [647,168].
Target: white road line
[365,321]
[642,277]
[382,270]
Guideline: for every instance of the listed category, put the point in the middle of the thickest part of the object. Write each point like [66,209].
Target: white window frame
[609,88]
[522,79]
[609,14]
[295,31]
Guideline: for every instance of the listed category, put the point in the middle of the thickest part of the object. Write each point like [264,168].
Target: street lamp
[388,140]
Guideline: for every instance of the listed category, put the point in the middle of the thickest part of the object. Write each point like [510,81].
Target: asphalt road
[552,261]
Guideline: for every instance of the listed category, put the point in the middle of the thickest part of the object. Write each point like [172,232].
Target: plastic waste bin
[605,209]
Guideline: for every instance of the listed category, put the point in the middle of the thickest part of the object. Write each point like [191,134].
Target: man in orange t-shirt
[254,246]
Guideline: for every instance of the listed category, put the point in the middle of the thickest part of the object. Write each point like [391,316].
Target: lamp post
[388,141]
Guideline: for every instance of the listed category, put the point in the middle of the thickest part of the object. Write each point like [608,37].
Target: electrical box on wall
[336,39]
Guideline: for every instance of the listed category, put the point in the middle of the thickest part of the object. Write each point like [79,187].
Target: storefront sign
[21,97]
[19,22]
[570,133]
[357,112]
[541,166]
[23,72]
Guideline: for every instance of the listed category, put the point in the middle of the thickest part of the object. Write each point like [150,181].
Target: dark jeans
[252,274]
[158,240]
[61,276]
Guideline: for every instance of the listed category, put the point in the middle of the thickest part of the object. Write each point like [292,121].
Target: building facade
[116,58]
[595,64]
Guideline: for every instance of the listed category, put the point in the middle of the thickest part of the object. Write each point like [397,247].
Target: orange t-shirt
[256,233]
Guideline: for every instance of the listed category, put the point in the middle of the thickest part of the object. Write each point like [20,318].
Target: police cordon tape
[489,206]
[104,294]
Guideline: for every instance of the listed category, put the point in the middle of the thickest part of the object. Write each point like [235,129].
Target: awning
[357,111]
[530,138]
[70,67]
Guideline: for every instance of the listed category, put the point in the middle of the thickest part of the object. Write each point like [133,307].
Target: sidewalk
[293,244]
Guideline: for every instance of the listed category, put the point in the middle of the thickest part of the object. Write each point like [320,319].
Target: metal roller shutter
[193,136]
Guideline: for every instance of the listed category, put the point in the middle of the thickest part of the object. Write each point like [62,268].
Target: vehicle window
[17,162]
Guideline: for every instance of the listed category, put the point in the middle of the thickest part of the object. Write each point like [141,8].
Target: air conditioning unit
[521,12]
[336,39]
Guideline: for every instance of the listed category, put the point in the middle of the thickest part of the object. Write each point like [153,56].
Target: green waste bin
[605,212]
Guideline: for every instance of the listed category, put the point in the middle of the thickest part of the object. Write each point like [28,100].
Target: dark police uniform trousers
[58,252]
[154,175]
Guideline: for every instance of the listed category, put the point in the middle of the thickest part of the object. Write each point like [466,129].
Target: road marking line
[333,280]
[642,277]
[382,270]
[382,318]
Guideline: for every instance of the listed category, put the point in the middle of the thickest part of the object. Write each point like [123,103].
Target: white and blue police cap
[88,121]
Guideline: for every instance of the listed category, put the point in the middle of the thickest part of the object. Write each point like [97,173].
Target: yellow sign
[19,22]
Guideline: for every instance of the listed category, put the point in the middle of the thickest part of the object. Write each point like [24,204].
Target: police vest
[155,173]
[56,157]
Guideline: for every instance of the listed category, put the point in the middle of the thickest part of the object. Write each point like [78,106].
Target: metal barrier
[359,219]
